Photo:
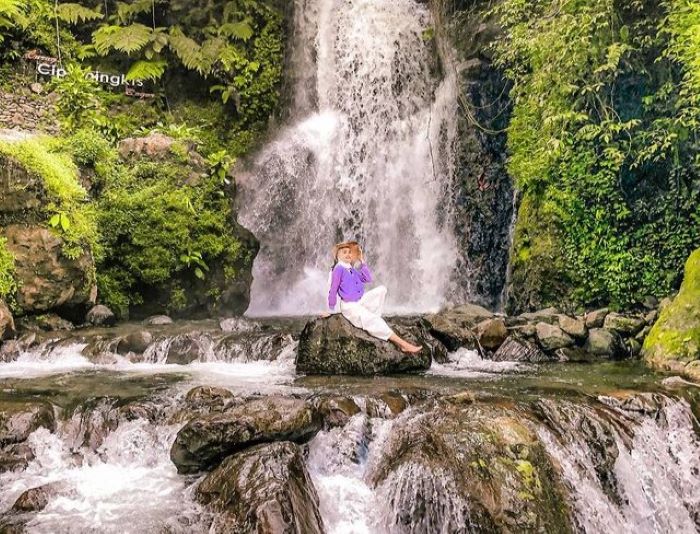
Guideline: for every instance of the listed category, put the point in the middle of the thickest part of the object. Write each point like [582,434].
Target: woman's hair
[354,246]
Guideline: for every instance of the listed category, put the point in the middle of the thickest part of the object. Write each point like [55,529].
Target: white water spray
[369,155]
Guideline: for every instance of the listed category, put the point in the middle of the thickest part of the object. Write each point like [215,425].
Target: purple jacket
[349,283]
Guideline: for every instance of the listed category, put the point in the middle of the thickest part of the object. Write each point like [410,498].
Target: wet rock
[552,337]
[47,278]
[263,490]
[491,333]
[206,440]
[467,467]
[100,315]
[238,324]
[624,324]
[517,349]
[47,322]
[7,323]
[136,342]
[184,349]
[202,400]
[18,419]
[418,334]
[526,330]
[15,457]
[336,410]
[605,343]
[334,346]
[91,423]
[36,499]
[596,318]
[648,404]
[547,315]
[576,328]
[387,405]
[157,320]
[453,327]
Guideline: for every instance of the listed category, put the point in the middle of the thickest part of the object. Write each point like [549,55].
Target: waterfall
[368,154]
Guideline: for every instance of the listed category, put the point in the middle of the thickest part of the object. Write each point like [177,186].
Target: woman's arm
[333,291]
[365,274]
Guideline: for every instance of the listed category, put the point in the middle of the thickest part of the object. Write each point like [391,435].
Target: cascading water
[369,155]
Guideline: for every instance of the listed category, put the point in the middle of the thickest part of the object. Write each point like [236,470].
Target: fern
[75,13]
[12,13]
[125,12]
[123,38]
[146,70]
[186,49]
[239,30]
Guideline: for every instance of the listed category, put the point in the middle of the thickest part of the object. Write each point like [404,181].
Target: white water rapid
[368,154]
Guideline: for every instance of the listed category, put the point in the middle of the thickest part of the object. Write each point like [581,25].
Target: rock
[547,315]
[100,315]
[453,326]
[336,410]
[184,349]
[650,318]
[676,382]
[491,333]
[15,457]
[552,337]
[7,323]
[47,278]
[36,88]
[36,499]
[576,328]
[263,490]
[516,349]
[605,343]
[136,342]
[527,330]
[21,193]
[650,302]
[238,324]
[334,346]
[12,348]
[634,347]
[18,419]
[206,440]
[209,398]
[624,324]
[387,405]
[47,322]
[476,460]
[157,320]
[675,337]
[595,319]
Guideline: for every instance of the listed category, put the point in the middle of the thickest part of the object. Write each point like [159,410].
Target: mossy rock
[673,343]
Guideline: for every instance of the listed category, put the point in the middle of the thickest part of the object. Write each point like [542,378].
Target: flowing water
[625,450]
[368,154]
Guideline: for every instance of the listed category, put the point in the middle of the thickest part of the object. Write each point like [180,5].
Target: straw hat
[338,246]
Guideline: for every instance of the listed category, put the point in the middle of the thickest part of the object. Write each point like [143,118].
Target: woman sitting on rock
[347,279]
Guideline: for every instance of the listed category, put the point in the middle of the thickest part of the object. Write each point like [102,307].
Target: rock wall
[28,107]
[483,189]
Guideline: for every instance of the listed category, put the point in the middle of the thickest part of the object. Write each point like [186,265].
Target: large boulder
[551,337]
[491,333]
[100,315]
[465,466]
[518,349]
[674,341]
[48,279]
[206,440]
[453,327]
[627,325]
[263,490]
[605,343]
[333,346]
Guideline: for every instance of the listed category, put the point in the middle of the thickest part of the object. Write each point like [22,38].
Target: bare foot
[411,349]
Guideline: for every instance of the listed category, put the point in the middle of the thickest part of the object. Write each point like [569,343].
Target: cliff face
[484,194]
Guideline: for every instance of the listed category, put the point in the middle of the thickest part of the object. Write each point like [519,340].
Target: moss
[675,337]
[7,270]
[538,276]
[67,211]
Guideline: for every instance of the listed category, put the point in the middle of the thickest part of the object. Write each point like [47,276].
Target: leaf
[125,12]
[54,220]
[146,70]
[239,30]
[188,50]
[123,38]
[65,222]
[75,13]
[199,273]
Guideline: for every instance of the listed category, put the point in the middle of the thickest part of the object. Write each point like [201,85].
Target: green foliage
[79,100]
[146,70]
[601,134]
[12,15]
[67,211]
[7,270]
[75,13]
[156,228]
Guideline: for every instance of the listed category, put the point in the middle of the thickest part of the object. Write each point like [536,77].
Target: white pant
[366,313]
